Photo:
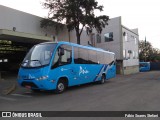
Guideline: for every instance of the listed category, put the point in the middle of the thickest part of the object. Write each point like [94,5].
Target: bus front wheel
[61,86]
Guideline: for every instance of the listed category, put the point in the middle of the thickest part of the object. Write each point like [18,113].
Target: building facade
[23,28]
[124,43]
[24,25]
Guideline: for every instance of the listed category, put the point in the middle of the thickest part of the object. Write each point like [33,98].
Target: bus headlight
[42,78]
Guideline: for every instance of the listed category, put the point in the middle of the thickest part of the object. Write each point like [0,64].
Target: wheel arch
[104,74]
[65,79]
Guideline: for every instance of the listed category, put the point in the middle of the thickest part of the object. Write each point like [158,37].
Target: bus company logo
[63,69]
[83,71]
[6,114]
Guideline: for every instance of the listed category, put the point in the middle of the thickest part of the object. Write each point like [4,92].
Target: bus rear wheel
[61,86]
[103,78]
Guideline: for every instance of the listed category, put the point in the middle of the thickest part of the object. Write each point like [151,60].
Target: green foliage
[76,15]
[147,52]
[48,22]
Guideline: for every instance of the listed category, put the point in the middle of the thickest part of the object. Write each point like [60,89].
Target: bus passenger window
[80,56]
[62,59]
[66,58]
[92,56]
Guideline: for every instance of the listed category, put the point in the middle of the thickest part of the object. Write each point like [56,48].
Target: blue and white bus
[144,66]
[55,66]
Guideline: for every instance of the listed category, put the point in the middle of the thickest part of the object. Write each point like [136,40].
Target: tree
[155,55]
[76,15]
[147,52]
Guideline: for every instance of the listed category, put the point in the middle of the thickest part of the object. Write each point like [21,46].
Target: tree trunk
[78,37]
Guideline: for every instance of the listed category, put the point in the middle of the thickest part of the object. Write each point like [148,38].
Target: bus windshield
[40,55]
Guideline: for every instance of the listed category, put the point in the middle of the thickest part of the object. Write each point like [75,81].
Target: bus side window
[63,56]
[100,57]
[80,56]
[66,58]
[92,57]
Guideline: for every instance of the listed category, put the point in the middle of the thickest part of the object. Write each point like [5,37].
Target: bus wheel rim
[60,86]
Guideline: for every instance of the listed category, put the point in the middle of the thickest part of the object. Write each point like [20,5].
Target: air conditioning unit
[124,33]
[130,51]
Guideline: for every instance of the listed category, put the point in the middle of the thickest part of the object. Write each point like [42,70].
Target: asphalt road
[138,92]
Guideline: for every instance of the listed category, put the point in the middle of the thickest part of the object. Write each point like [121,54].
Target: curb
[9,90]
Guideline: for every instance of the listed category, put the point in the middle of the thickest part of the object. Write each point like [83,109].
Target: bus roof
[81,46]
[144,62]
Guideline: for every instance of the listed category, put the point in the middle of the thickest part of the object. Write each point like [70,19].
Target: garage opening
[13,48]
[12,54]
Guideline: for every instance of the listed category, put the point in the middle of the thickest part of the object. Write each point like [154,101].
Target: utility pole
[145,49]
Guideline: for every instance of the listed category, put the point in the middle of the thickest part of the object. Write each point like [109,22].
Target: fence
[155,65]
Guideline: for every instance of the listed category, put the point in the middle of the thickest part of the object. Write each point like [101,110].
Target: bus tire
[103,78]
[61,86]
[36,90]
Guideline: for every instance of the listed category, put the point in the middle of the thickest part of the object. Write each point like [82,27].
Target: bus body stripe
[100,72]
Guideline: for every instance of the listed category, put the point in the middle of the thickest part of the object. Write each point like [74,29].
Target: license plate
[28,87]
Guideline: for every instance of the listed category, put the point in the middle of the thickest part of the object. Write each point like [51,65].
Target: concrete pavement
[138,92]
[8,83]
[132,92]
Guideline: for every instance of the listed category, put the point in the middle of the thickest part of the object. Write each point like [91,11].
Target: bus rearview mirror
[61,51]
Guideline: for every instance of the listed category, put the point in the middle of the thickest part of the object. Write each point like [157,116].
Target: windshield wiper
[38,61]
[23,63]
[30,61]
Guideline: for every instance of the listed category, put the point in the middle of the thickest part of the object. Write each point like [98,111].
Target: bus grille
[29,84]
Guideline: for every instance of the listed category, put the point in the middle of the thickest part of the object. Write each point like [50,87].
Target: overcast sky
[141,14]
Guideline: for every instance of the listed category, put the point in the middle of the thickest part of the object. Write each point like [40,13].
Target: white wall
[130,43]
[115,45]
[84,38]
[23,22]
[27,23]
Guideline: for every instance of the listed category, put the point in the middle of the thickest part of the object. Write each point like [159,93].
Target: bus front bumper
[36,84]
